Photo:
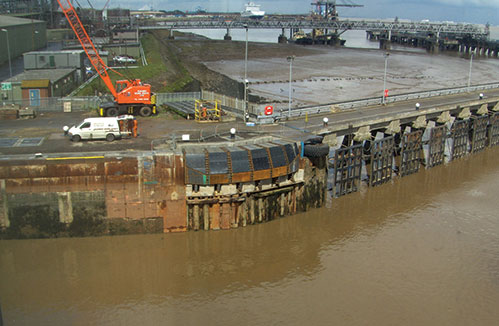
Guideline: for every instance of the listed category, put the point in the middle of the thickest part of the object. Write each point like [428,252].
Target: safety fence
[163,98]
[235,105]
[57,104]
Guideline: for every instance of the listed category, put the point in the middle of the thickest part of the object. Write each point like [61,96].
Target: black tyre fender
[75,138]
[316,150]
[145,111]
[112,112]
[110,137]
[312,140]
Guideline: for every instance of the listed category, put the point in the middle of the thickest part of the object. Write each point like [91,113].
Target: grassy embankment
[155,73]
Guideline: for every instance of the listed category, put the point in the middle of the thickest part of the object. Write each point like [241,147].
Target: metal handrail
[349,105]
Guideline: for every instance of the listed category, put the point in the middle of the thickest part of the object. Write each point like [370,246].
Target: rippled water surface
[423,250]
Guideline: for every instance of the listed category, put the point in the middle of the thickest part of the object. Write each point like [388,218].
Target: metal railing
[199,136]
[57,104]
[235,105]
[162,98]
[304,23]
[350,105]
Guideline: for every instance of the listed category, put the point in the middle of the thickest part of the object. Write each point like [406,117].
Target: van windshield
[84,125]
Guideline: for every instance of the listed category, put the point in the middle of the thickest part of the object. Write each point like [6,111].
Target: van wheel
[110,137]
[76,138]
[111,112]
[145,111]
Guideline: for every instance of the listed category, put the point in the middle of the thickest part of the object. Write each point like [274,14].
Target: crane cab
[133,92]
[133,97]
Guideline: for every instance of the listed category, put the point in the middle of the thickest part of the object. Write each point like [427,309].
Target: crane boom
[132,97]
[89,48]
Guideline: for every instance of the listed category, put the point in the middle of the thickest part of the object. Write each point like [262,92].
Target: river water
[423,250]
[353,38]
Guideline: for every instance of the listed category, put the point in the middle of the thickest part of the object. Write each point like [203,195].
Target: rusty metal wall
[131,188]
[459,135]
[494,129]
[381,161]
[479,133]
[437,145]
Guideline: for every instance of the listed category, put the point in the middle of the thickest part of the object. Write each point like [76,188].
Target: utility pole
[8,50]
[385,91]
[290,60]
[246,76]
[471,64]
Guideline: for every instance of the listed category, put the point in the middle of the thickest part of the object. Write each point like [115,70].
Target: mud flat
[330,74]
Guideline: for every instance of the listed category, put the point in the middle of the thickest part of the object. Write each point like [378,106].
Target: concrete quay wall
[146,193]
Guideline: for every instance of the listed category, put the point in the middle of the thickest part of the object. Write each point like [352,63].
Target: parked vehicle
[108,128]
[124,59]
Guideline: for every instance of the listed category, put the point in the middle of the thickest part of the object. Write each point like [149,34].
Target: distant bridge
[298,22]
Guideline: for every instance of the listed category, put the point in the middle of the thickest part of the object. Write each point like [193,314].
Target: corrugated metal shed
[51,74]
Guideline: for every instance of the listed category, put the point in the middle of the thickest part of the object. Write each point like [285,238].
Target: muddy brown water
[423,250]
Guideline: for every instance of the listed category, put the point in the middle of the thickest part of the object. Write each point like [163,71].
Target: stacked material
[9,112]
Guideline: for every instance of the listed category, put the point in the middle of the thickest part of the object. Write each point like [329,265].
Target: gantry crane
[130,96]
[330,11]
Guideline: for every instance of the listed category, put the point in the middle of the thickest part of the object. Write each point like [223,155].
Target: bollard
[325,121]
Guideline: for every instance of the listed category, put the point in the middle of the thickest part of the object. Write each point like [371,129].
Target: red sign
[386,92]
[269,110]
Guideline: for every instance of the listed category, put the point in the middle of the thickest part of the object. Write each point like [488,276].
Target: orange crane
[130,96]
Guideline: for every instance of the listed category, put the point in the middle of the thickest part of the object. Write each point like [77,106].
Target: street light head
[418,106]
[4,30]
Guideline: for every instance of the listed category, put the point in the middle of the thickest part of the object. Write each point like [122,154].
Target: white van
[108,128]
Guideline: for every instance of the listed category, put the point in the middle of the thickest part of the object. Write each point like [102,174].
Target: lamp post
[383,101]
[469,75]
[290,60]
[246,75]
[8,50]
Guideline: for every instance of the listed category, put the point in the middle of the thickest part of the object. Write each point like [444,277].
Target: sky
[467,11]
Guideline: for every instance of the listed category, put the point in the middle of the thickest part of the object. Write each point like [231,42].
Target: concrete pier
[435,42]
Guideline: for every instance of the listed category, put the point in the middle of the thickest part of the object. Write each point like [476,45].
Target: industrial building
[20,35]
[74,59]
[31,87]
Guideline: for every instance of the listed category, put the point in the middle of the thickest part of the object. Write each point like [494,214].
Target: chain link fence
[162,98]
[57,104]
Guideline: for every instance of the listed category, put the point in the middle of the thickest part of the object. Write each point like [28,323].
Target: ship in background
[252,10]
